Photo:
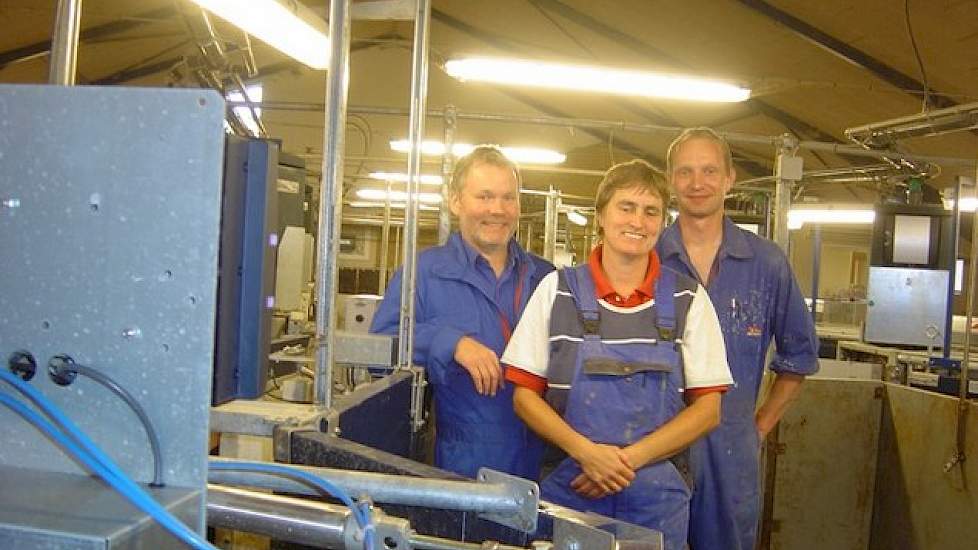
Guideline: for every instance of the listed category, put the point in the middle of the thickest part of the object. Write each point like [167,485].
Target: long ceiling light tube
[401,177]
[797,217]
[593,79]
[528,155]
[396,196]
[288,26]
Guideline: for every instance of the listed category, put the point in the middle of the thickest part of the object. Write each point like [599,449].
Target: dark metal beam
[845,51]
[601,135]
[92,33]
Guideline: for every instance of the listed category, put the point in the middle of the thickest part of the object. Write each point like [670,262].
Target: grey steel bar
[952,269]
[301,521]
[385,240]
[550,225]
[425,542]
[464,496]
[733,137]
[64,43]
[782,197]
[966,355]
[419,97]
[447,166]
[816,266]
[331,196]
[282,518]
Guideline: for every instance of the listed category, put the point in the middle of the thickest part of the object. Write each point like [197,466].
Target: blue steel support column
[330,196]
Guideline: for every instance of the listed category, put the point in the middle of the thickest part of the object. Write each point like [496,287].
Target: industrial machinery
[109,324]
[913,247]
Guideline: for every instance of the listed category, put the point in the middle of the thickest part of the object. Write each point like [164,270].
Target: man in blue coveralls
[469,295]
[756,298]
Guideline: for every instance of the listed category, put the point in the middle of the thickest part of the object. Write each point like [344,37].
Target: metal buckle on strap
[591,326]
[666,333]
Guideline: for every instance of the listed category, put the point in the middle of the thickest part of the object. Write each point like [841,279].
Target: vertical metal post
[529,237]
[331,196]
[385,237]
[550,224]
[952,268]
[64,43]
[782,190]
[447,167]
[816,266]
[419,97]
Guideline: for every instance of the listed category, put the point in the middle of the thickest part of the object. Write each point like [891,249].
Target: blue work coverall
[756,298]
[621,390]
[457,294]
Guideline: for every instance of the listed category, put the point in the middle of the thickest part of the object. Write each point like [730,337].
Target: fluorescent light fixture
[798,217]
[396,196]
[287,26]
[968,204]
[576,217]
[527,155]
[368,204]
[593,79]
[426,179]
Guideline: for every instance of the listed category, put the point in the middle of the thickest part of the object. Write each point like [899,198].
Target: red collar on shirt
[604,290]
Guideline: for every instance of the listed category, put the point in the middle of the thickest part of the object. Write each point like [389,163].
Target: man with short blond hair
[757,300]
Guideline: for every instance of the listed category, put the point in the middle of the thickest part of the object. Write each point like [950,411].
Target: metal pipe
[425,542]
[550,225]
[782,199]
[331,195]
[952,268]
[64,43]
[732,137]
[385,237]
[282,518]
[447,167]
[307,522]
[419,97]
[463,496]
[816,266]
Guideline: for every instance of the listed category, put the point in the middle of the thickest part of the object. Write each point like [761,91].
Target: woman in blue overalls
[620,363]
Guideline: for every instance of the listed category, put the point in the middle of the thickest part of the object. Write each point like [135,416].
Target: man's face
[488,207]
[700,178]
[631,222]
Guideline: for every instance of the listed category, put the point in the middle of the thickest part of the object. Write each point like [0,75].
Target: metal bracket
[392,532]
[526,493]
[282,434]
[572,535]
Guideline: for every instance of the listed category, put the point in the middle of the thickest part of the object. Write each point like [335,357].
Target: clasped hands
[605,470]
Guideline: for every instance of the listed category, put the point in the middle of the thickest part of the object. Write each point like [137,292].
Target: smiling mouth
[633,236]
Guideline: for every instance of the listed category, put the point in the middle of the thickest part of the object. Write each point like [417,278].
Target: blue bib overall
[623,389]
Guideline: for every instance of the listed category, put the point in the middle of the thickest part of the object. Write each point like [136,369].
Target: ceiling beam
[627,41]
[846,52]
[92,33]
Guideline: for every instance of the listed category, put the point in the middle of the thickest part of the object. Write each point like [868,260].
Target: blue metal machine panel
[109,239]
[249,242]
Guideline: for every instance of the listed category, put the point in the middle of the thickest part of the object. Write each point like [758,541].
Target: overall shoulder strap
[665,305]
[581,287]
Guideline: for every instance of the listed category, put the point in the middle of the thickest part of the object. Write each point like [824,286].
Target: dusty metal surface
[826,467]
[918,505]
